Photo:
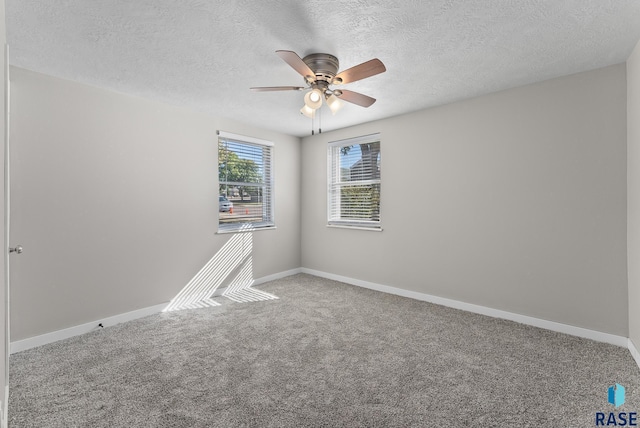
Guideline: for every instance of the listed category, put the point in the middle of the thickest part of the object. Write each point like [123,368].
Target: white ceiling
[205,54]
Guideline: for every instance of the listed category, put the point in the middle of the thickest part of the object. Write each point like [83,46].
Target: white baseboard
[276,276]
[220,291]
[483,310]
[634,351]
[32,342]
[54,336]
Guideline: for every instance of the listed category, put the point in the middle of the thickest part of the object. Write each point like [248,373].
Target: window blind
[245,177]
[354,182]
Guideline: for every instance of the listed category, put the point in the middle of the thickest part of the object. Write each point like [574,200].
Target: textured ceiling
[205,54]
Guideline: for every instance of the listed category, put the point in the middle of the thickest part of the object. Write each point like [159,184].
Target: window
[245,178]
[354,182]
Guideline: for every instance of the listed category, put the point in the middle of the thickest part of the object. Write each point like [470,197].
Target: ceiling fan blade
[355,97]
[277,88]
[359,72]
[297,64]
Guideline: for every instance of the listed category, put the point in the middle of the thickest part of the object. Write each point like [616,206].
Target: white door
[17,250]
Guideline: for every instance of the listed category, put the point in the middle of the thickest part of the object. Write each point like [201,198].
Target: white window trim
[244,138]
[344,226]
[373,226]
[371,138]
[250,227]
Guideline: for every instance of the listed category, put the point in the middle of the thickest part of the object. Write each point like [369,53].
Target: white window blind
[354,182]
[245,178]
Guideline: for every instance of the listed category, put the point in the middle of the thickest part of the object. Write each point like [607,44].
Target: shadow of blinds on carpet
[233,265]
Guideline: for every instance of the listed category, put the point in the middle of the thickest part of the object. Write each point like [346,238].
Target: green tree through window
[245,183]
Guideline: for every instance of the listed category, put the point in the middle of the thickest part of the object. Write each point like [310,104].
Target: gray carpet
[325,354]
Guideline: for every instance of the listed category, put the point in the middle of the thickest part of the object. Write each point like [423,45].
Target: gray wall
[515,201]
[633,192]
[115,202]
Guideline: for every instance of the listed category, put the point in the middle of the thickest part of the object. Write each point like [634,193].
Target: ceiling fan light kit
[320,71]
[334,103]
[313,99]
[308,111]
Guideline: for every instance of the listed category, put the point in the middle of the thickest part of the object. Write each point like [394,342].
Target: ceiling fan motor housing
[320,70]
[324,66]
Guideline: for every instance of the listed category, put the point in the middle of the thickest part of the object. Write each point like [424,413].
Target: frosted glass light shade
[313,99]
[307,111]
[334,103]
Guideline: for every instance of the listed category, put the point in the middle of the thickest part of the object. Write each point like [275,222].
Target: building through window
[354,182]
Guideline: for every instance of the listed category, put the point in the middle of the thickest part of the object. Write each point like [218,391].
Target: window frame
[268,218]
[333,162]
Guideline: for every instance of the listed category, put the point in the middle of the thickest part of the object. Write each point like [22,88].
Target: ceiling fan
[320,72]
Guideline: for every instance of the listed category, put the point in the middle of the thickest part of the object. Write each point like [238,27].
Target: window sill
[244,229]
[345,226]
